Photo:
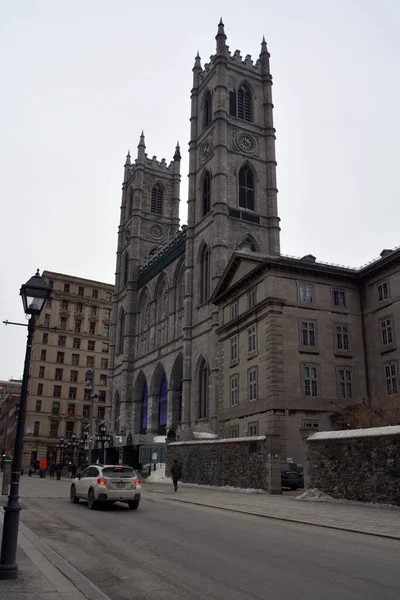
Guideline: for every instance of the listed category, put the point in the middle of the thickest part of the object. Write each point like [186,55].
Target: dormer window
[157,200]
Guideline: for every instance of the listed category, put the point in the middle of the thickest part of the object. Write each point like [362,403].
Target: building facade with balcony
[72,336]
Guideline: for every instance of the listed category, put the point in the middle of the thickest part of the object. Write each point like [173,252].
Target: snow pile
[158,476]
[204,435]
[315,495]
[159,439]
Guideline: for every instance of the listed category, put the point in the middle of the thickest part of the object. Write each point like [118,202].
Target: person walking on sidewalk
[176,472]
[58,470]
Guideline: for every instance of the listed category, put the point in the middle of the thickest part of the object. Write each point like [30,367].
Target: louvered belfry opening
[157,200]
[244,104]
[246,188]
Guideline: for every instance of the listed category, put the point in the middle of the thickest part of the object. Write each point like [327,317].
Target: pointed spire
[141,148]
[197,62]
[128,159]
[221,38]
[141,141]
[264,49]
[177,155]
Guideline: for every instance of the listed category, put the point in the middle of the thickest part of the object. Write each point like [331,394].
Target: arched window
[126,268]
[206,193]
[157,200]
[203,390]
[130,202]
[207,109]
[204,274]
[240,103]
[248,245]
[144,409]
[163,406]
[117,427]
[246,188]
[162,314]
[144,324]
[121,331]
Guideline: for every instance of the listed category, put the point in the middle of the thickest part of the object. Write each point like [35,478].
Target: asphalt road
[185,552]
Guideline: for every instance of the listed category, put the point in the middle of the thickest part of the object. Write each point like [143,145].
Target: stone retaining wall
[237,462]
[359,464]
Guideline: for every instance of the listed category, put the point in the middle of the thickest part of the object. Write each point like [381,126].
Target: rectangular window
[253,429]
[102,395]
[45,338]
[41,372]
[308,333]
[252,338]
[103,379]
[86,411]
[101,411]
[251,299]
[104,363]
[89,361]
[345,390]
[53,429]
[69,429]
[383,291]
[234,431]
[58,375]
[81,291]
[38,407]
[43,354]
[73,376]
[79,307]
[40,389]
[76,343]
[339,298]
[47,320]
[108,296]
[93,311]
[60,357]
[36,426]
[310,385]
[75,360]
[87,394]
[105,347]
[78,326]
[234,393]
[387,332]
[306,293]
[107,313]
[66,288]
[106,331]
[252,380]
[62,340]
[234,347]
[64,305]
[55,408]
[91,345]
[63,323]
[51,283]
[71,409]
[57,391]
[234,310]
[92,328]
[342,337]
[95,293]
[391,378]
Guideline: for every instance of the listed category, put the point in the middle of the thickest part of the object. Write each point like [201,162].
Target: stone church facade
[183,293]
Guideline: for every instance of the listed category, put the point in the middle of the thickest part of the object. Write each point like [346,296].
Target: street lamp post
[103,438]
[62,445]
[34,294]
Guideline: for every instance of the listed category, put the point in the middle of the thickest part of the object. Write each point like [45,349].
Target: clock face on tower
[206,149]
[245,143]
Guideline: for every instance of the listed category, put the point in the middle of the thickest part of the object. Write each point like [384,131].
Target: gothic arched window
[203,390]
[240,103]
[206,195]
[126,268]
[144,408]
[121,331]
[157,197]
[246,188]
[207,109]
[163,406]
[204,274]
[130,202]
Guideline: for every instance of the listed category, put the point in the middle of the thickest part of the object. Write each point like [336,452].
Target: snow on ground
[316,495]
[158,476]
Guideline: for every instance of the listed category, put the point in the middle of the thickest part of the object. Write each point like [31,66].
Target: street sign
[29,429]
[91,439]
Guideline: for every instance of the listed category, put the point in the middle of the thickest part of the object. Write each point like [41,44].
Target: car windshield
[289,467]
[127,472]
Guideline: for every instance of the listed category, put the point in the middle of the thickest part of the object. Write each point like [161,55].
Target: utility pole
[89,384]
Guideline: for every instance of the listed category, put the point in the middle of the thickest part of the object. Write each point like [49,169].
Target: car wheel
[133,505]
[293,487]
[92,504]
[72,495]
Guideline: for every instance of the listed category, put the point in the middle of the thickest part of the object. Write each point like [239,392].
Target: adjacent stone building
[71,336]
[214,329]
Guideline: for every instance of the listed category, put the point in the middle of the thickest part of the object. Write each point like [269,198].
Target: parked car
[301,473]
[106,484]
[290,476]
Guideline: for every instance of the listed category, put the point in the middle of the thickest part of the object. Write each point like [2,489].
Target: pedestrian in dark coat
[176,473]
[58,470]
[73,470]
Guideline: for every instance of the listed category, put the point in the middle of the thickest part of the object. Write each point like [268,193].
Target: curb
[276,518]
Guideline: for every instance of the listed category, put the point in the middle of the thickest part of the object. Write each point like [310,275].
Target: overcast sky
[79,80]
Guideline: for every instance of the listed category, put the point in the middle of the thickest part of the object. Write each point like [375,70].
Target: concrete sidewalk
[378,520]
